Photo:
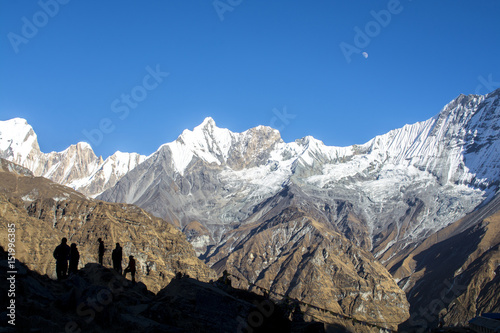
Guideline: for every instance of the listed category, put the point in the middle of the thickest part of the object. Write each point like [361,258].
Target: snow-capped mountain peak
[220,146]
[206,141]
[18,141]
[208,122]
[76,166]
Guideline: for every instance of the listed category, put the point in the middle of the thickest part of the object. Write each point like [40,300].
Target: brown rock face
[254,148]
[197,235]
[455,273]
[291,253]
[43,212]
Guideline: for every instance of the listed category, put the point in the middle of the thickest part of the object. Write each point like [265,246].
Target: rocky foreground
[98,299]
[43,212]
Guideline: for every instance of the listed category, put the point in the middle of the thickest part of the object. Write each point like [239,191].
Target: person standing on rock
[130,268]
[225,278]
[61,254]
[101,250]
[74,257]
[116,256]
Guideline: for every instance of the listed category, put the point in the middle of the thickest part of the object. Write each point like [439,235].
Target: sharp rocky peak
[17,140]
[208,122]
[221,146]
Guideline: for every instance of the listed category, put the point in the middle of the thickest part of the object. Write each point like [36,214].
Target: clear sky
[131,75]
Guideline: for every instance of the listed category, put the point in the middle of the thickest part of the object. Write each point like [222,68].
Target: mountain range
[350,228]
[77,166]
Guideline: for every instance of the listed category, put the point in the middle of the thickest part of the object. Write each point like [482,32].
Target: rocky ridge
[43,212]
[296,252]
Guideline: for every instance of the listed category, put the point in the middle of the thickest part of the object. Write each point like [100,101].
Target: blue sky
[96,71]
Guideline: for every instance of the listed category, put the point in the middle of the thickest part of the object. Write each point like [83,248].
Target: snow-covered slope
[18,141]
[404,185]
[415,180]
[77,166]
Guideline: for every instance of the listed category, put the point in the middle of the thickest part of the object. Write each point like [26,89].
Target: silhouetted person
[61,254]
[441,321]
[116,256]
[225,278]
[74,257]
[130,268]
[297,314]
[101,250]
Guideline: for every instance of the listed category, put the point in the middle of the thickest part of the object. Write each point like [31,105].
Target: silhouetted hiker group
[63,253]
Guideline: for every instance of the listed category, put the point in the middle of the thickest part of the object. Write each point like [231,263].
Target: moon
[365,55]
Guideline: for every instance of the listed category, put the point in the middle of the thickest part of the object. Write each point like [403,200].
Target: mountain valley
[402,229]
